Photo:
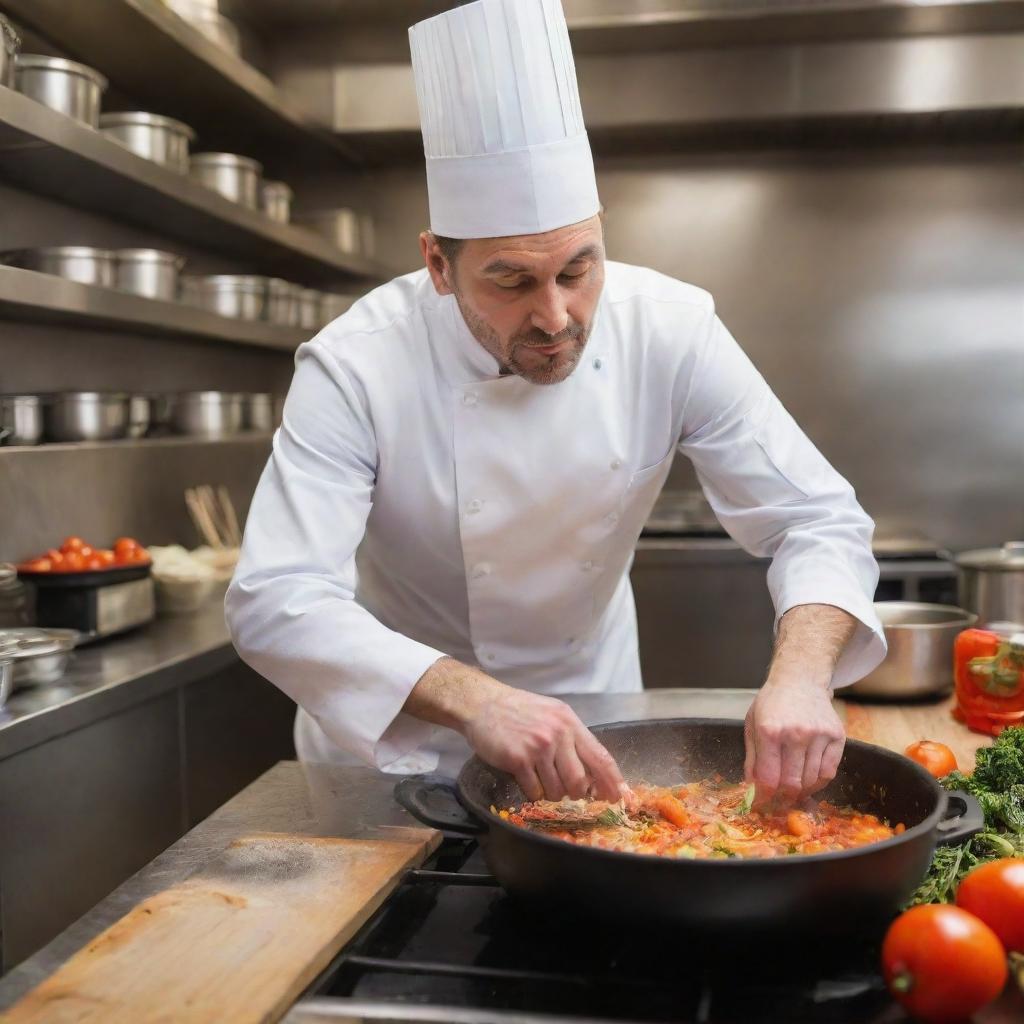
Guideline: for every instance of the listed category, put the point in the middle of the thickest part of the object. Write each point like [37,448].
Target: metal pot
[21,419]
[63,85]
[282,302]
[276,200]
[154,137]
[235,177]
[85,416]
[81,263]
[209,414]
[258,411]
[827,897]
[10,44]
[241,296]
[140,415]
[310,309]
[151,273]
[341,227]
[208,20]
[920,658]
[990,581]
[39,655]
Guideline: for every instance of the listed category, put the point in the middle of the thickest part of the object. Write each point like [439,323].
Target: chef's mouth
[551,350]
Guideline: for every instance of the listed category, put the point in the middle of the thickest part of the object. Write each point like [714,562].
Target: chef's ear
[437,263]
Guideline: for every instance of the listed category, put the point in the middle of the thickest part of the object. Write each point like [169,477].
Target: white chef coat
[418,504]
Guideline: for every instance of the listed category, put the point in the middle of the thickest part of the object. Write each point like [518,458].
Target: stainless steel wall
[881,293]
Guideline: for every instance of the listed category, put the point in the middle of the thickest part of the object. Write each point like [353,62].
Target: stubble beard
[515,357]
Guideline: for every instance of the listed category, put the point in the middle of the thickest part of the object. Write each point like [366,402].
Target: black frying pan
[829,894]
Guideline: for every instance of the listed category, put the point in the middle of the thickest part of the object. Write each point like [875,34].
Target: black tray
[88,578]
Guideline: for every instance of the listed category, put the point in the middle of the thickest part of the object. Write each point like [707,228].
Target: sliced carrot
[799,824]
[672,810]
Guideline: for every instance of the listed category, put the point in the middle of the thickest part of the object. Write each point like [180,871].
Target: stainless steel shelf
[150,53]
[51,154]
[42,298]
[253,437]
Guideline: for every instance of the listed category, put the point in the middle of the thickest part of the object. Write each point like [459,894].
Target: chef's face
[528,299]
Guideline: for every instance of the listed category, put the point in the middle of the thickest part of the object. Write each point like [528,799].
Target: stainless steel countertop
[166,653]
[321,800]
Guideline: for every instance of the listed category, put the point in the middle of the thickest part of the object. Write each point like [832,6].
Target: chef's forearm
[451,694]
[810,639]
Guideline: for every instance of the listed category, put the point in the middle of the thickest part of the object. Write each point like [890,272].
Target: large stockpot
[81,263]
[235,177]
[241,296]
[151,273]
[9,46]
[990,582]
[21,419]
[827,896]
[154,137]
[85,416]
[63,85]
[209,414]
[340,227]
[920,658]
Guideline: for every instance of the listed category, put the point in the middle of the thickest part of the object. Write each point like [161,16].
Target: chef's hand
[537,739]
[794,738]
[545,746]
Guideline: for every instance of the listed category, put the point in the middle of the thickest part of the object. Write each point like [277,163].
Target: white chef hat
[503,134]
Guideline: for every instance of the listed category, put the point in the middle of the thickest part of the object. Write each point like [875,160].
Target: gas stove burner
[450,945]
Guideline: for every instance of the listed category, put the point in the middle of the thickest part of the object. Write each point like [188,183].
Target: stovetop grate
[450,938]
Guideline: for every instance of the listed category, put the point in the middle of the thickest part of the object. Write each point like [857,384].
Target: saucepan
[821,896]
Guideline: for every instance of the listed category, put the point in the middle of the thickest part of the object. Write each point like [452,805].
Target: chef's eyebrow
[588,252]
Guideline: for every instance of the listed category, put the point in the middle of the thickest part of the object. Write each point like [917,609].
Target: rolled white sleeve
[778,497]
[291,606]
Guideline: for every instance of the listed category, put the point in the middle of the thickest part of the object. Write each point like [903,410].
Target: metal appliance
[991,582]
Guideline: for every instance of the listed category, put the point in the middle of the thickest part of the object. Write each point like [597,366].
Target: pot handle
[434,800]
[962,818]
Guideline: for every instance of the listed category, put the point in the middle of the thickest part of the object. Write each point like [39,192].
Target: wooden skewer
[234,531]
[201,518]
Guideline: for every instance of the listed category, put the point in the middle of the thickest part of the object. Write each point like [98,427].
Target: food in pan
[710,819]
[75,555]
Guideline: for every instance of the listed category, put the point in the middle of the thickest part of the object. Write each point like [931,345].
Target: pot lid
[1008,558]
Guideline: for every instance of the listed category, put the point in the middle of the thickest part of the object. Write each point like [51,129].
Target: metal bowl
[21,419]
[276,199]
[163,140]
[240,296]
[209,414]
[85,416]
[82,263]
[150,273]
[920,658]
[39,655]
[63,85]
[235,177]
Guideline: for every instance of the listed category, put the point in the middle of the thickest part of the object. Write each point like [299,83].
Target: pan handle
[434,800]
[962,818]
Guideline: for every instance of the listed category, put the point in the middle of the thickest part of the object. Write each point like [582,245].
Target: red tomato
[39,565]
[94,562]
[106,556]
[942,964]
[933,757]
[125,545]
[55,556]
[72,544]
[995,893]
[73,562]
[87,551]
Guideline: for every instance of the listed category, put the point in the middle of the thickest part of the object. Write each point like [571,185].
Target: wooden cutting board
[238,941]
[896,726]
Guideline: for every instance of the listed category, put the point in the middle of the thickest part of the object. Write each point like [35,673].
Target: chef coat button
[469,398]
[481,569]
[616,463]
[490,657]
[597,364]
[474,506]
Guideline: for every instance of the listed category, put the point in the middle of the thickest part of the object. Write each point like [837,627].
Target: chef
[439,546]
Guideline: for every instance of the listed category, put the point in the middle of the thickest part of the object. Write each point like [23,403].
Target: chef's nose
[549,311]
